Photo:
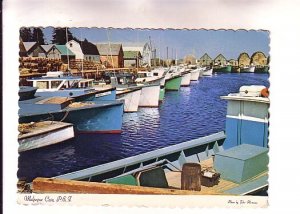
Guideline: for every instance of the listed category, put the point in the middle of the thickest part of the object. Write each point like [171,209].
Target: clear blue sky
[227,42]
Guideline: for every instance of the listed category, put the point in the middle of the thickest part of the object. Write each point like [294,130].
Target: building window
[71,44]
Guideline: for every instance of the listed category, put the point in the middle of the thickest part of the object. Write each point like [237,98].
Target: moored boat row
[96,108]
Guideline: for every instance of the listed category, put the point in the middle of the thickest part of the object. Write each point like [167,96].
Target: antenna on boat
[67,49]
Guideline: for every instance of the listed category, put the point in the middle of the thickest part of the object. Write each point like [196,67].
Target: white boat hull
[131,100]
[249,70]
[195,74]
[208,72]
[186,79]
[52,133]
[150,96]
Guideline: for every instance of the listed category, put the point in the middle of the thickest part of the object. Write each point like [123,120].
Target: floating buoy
[264,92]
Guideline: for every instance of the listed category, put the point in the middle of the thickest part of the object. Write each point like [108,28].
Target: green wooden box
[242,162]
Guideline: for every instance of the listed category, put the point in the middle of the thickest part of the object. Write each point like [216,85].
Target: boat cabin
[56,84]
[247,117]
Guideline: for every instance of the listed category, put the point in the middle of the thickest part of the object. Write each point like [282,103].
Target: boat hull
[149,96]
[225,69]
[95,118]
[247,70]
[195,75]
[51,133]
[207,72]
[173,84]
[162,94]
[264,69]
[186,80]
[131,100]
[106,95]
[26,92]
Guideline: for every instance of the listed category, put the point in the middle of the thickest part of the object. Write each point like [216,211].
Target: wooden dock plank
[49,185]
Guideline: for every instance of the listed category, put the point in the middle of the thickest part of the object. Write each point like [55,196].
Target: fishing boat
[131,98]
[149,95]
[222,68]
[195,73]
[173,82]
[207,72]
[88,117]
[149,80]
[35,135]
[58,84]
[261,69]
[26,92]
[201,166]
[247,69]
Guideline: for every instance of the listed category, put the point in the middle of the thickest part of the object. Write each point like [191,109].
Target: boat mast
[176,56]
[112,60]
[82,74]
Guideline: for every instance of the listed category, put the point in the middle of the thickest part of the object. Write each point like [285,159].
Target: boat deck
[223,187]
[29,130]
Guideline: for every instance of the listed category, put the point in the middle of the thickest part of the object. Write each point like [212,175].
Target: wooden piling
[191,177]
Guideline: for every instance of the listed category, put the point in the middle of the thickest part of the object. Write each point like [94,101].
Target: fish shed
[244,59]
[205,60]
[259,58]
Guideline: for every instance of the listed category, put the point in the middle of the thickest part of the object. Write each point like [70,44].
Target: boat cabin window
[55,84]
[141,75]
[155,74]
[42,84]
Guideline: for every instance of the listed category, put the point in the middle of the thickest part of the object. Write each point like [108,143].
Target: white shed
[76,49]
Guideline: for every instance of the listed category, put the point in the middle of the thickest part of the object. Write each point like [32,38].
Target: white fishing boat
[186,78]
[40,134]
[131,98]
[154,76]
[56,83]
[195,74]
[207,72]
[150,95]
[248,69]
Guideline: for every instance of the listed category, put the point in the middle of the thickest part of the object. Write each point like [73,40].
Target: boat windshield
[42,84]
[141,75]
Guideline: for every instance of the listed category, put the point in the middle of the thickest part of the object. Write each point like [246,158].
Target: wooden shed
[220,60]
[33,49]
[111,55]
[190,59]
[259,58]
[22,49]
[60,52]
[205,60]
[132,59]
[244,59]
[90,51]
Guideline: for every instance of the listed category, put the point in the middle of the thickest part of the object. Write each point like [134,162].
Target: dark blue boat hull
[104,118]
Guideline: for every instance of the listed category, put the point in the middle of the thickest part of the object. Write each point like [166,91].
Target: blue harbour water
[189,113]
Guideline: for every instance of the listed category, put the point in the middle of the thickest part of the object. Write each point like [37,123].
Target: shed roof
[206,56]
[64,50]
[28,45]
[132,54]
[47,47]
[106,49]
[88,48]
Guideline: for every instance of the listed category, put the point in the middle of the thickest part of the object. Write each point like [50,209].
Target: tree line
[37,35]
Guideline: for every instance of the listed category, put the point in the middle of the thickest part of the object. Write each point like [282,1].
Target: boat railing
[202,148]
